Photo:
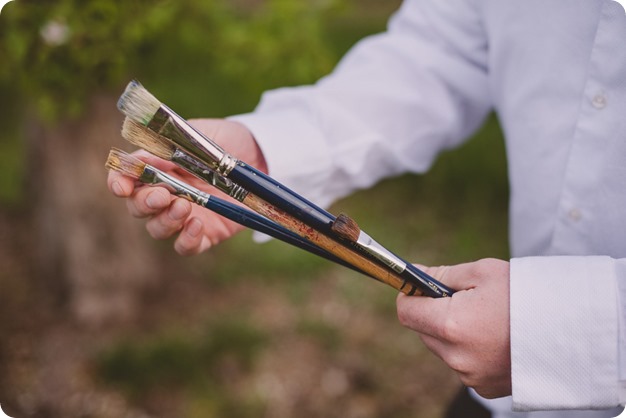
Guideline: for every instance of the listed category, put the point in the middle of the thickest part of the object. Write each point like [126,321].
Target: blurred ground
[251,330]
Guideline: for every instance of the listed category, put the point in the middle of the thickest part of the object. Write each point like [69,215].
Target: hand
[469,331]
[198,228]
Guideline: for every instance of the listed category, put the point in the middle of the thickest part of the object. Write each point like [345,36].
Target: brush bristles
[346,227]
[125,163]
[138,103]
[147,139]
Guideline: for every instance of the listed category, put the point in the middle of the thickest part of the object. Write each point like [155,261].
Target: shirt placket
[583,172]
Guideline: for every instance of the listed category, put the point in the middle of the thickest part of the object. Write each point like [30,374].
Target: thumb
[458,277]
[428,315]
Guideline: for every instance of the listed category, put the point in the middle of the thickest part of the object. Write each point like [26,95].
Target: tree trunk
[90,251]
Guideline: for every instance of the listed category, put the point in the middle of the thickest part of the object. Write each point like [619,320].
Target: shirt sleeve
[391,105]
[567,332]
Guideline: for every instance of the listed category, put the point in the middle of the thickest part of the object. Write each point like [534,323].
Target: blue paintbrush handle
[259,223]
[268,189]
[291,202]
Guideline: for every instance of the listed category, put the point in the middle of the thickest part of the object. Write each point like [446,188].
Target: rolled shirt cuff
[564,333]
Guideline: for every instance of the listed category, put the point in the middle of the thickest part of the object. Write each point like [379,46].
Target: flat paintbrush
[347,228]
[133,167]
[142,107]
[161,147]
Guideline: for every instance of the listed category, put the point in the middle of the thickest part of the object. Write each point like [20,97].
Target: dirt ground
[330,349]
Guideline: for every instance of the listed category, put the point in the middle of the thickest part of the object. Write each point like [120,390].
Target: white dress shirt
[555,73]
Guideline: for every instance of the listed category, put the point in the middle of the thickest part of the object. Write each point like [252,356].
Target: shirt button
[574,215]
[599,101]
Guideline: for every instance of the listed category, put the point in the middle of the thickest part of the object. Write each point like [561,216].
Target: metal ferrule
[202,171]
[152,175]
[379,252]
[167,123]
[392,261]
[226,164]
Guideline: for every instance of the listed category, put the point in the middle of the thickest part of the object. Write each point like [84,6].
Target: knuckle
[157,233]
[460,365]
[159,228]
[403,317]
[186,248]
[137,206]
[456,364]
[487,264]
[476,270]
[187,245]
[438,272]
[407,314]
[450,330]
[134,209]
[468,379]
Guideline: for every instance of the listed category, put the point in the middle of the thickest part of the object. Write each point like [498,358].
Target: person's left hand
[469,331]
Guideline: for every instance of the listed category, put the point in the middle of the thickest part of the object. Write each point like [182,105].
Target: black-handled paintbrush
[133,167]
[142,107]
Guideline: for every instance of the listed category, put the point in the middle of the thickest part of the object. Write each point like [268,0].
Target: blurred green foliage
[209,58]
[181,360]
[59,52]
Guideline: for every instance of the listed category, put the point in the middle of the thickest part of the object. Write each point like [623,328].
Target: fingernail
[117,189]
[194,228]
[155,200]
[178,211]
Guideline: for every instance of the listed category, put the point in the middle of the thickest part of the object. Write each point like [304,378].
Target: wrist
[243,145]
[257,159]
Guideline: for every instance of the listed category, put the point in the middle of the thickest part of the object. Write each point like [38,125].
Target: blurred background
[98,320]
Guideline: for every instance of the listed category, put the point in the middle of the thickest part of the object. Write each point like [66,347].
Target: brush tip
[138,103]
[125,163]
[147,139]
[346,227]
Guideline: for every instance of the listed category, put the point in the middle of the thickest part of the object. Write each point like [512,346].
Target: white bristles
[138,103]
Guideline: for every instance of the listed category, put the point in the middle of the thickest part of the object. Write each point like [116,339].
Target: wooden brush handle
[346,228]
[341,251]
[270,190]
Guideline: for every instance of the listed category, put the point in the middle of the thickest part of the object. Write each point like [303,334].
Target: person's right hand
[198,229]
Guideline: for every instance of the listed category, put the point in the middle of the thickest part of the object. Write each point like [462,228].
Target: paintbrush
[135,168]
[347,228]
[142,107]
[161,147]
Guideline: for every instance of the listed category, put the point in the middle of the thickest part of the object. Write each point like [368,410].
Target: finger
[423,314]
[458,277]
[119,185]
[169,221]
[455,358]
[192,239]
[436,346]
[148,201]
[154,161]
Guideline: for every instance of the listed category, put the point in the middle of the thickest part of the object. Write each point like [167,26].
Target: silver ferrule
[167,123]
[202,171]
[153,175]
[379,252]
[226,164]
